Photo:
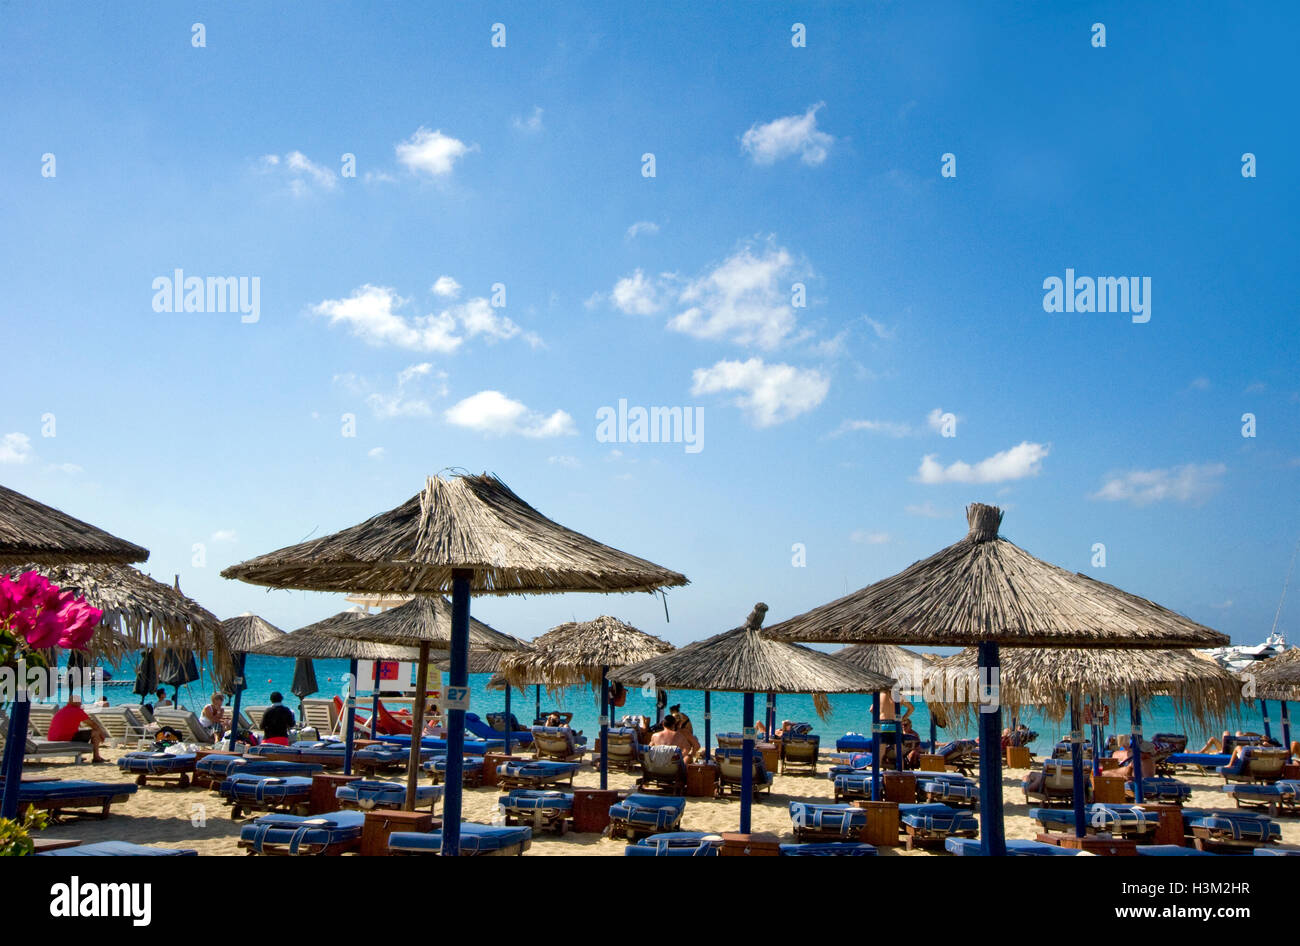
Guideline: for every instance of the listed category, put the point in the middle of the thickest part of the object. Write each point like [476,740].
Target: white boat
[1239,656]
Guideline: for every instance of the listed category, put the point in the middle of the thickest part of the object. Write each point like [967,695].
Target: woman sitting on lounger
[1125,756]
[214,716]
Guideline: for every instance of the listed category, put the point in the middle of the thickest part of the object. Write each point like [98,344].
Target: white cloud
[768,394]
[1200,384]
[565,461]
[478,317]
[934,420]
[926,510]
[882,330]
[72,469]
[409,399]
[303,174]
[887,427]
[863,537]
[640,227]
[431,152]
[446,287]
[786,137]
[15,448]
[636,295]
[745,299]
[371,313]
[532,124]
[375,453]
[224,535]
[1189,483]
[1024,459]
[491,412]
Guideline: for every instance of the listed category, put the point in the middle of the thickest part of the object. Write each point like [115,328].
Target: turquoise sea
[848,712]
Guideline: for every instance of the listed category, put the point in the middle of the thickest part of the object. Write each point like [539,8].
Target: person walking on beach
[74,724]
[277,720]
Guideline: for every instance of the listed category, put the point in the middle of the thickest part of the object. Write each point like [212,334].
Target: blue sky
[522,166]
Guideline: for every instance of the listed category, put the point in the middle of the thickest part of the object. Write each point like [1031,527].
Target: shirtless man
[669,736]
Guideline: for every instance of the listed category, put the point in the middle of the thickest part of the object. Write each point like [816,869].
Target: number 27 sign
[457,698]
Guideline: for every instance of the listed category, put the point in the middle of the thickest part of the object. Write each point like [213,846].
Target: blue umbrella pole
[1268,730]
[747,763]
[1135,747]
[604,729]
[875,746]
[458,679]
[509,724]
[1286,727]
[993,841]
[1076,768]
[934,732]
[708,724]
[234,706]
[537,714]
[349,717]
[15,744]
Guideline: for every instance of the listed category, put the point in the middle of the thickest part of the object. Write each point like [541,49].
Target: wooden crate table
[1108,789]
[490,762]
[932,763]
[323,785]
[899,787]
[750,845]
[1170,829]
[882,823]
[381,823]
[701,779]
[591,809]
[1017,757]
[1094,844]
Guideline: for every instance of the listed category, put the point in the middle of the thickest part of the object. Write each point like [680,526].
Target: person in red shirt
[67,726]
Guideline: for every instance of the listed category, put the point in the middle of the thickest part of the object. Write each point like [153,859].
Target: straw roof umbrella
[489,661]
[241,634]
[1277,678]
[907,667]
[582,652]
[33,532]
[745,661]
[467,535]
[983,590]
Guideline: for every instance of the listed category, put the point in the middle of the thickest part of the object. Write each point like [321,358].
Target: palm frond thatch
[314,641]
[573,653]
[425,619]
[884,659]
[1201,691]
[743,660]
[480,661]
[140,613]
[466,522]
[1277,678]
[34,532]
[245,631]
[986,589]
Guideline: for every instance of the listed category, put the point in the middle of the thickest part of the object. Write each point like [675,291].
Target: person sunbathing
[669,736]
[1125,756]
[213,716]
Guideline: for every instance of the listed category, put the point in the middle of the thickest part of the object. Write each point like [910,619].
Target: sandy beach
[166,816]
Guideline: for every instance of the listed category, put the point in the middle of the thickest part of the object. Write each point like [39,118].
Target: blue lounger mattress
[1100,817]
[1171,850]
[266,788]
[1162,788]
[300,834]
[853,742]
[949,789]
[676,844]
[843,819]
[1203,759]
[1234,826]
[67,789]
[367,793]
[540,771]
[531,799]
[653,812]
[1281,790]
[119,849]
[968,847]
[157,763]
[474,839]
[223,766]
[828,849]
[472,746]
[936,818]
[1278,850]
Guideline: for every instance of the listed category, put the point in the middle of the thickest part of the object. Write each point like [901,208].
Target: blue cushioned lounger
[645,814]
[376,793]
[388,757]
[1278,850]
[822,822]
[1171,850]
[1231,828]
[967,847]
[158,765]
[935,822]
[223,766]
[264,792]
[828,849]
[484,730]
[331,833]
[65,794]
[539,774]
[1127,821]
[472,746]
[1279,796]
[1162,788]
[475,839]
[1206,760]
[538,809]
[955,790]
[119,849]
[676,844]
[471,768]
[853,742]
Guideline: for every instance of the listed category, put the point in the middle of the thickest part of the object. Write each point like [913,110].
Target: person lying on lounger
[74,724]
[1125,756]
[669,736]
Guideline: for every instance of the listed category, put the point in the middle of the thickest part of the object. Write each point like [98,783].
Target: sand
[166,816]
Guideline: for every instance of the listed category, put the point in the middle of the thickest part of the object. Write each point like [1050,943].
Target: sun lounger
[45,749]
[960,754]
[924,823]
[645,814]
[557,743]
[820,822]
[948,788]
[729,740]
[266,793]
[1277,798]
[1256,764]
[321,715]
[662,769]
[540,810]
[390,758]
[676,844]
[731,770]
[124,726]
[118,849]
[472,746]
[853,742]
[1161,788]
[1278,850]
[1230,829]
[369,794]
[471,772]
[185,723]
[330,834]
[536,774]
[476,840]
[1171,850]
[852,785]
[39,717]
[71,795]
[829,849]
[800,751]
[967,847]
[1057,786]
[622,749]
[1127,821]
[211,771]
[1200,760]
[484,730]
[846,761]
[159,766]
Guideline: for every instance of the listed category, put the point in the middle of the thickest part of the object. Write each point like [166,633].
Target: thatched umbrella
[1277,678]
[489,661]
[241,634]
[33,532]
[985,591]
[467,535]
[1058,679]
[583,652]
[744,661]
[908,668]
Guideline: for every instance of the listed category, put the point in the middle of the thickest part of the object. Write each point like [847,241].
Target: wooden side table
[750,845]
[1108,789]
[882,823]
[323,785]
[899,787]
[1170,829]
[591,809]
[701,779]
[490,762]
[771,755]
[380,824]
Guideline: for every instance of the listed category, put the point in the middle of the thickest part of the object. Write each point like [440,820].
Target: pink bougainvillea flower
[45,630]
[78,620]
